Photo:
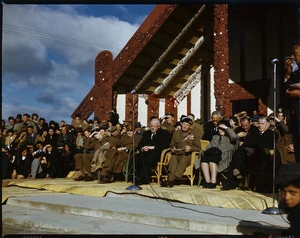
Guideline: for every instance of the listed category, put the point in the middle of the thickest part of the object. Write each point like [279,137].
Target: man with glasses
[153,142]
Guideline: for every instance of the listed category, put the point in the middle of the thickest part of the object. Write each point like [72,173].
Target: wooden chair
[162,166]
[161,169]
[190,171]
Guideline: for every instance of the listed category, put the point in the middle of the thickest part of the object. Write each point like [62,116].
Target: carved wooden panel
[237,92]
[169,107]
[153,107]
[131,107]
[85,108]
[189,102]
[103,85]
[262,108]
[221,58]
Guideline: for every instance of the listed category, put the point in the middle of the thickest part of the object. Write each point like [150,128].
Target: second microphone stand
[273,210]
[133,186]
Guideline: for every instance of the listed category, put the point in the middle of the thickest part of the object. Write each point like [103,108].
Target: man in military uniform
[183,143]
[168,123]
[91,142]
[117,154]
[198,128]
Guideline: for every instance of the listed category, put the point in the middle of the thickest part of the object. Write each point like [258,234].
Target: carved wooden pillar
[131,99]
[169,107]
[221,58]
[115,99]
[103,95]
[188,103]
[153,107]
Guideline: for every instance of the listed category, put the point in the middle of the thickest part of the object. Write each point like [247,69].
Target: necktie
[153,134]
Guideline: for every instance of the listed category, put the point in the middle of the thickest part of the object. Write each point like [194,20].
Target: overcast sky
[48,53]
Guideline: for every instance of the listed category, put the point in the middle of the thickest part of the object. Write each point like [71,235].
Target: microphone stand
[133,186]
[273,210]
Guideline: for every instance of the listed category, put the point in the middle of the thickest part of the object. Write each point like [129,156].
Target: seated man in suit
[153,142]
[255,159]
[183,143]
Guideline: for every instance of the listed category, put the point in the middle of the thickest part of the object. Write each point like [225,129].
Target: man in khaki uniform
[117,155]
[168,123]
[196,126]
[183,143]
[91,142]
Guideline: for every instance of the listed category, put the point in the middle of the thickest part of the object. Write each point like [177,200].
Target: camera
[294,65]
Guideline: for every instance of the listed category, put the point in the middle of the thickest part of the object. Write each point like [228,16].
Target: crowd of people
[240,147]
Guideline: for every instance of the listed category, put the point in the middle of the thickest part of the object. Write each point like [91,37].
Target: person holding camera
[292,90]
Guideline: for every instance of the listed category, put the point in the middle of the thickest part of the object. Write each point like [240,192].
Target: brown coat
[180,161]
[120,156]
[285,156]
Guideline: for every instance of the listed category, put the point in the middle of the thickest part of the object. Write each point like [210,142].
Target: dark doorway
[247,105]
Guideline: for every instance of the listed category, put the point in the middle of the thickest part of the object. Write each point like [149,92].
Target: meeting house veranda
[196,56]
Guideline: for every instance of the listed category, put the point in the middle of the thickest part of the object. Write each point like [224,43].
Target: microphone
[274,61]
[133,91]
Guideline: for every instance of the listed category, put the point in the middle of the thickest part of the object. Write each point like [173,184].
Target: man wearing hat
[288,181]
[106,173]
[169,123]
[183,143]
[198,128]
[138,128]
[117,155]
[83,159]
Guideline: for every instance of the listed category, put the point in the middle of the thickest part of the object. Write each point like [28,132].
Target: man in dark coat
[153,142]
[31,136]
[211,127]
[253,158]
